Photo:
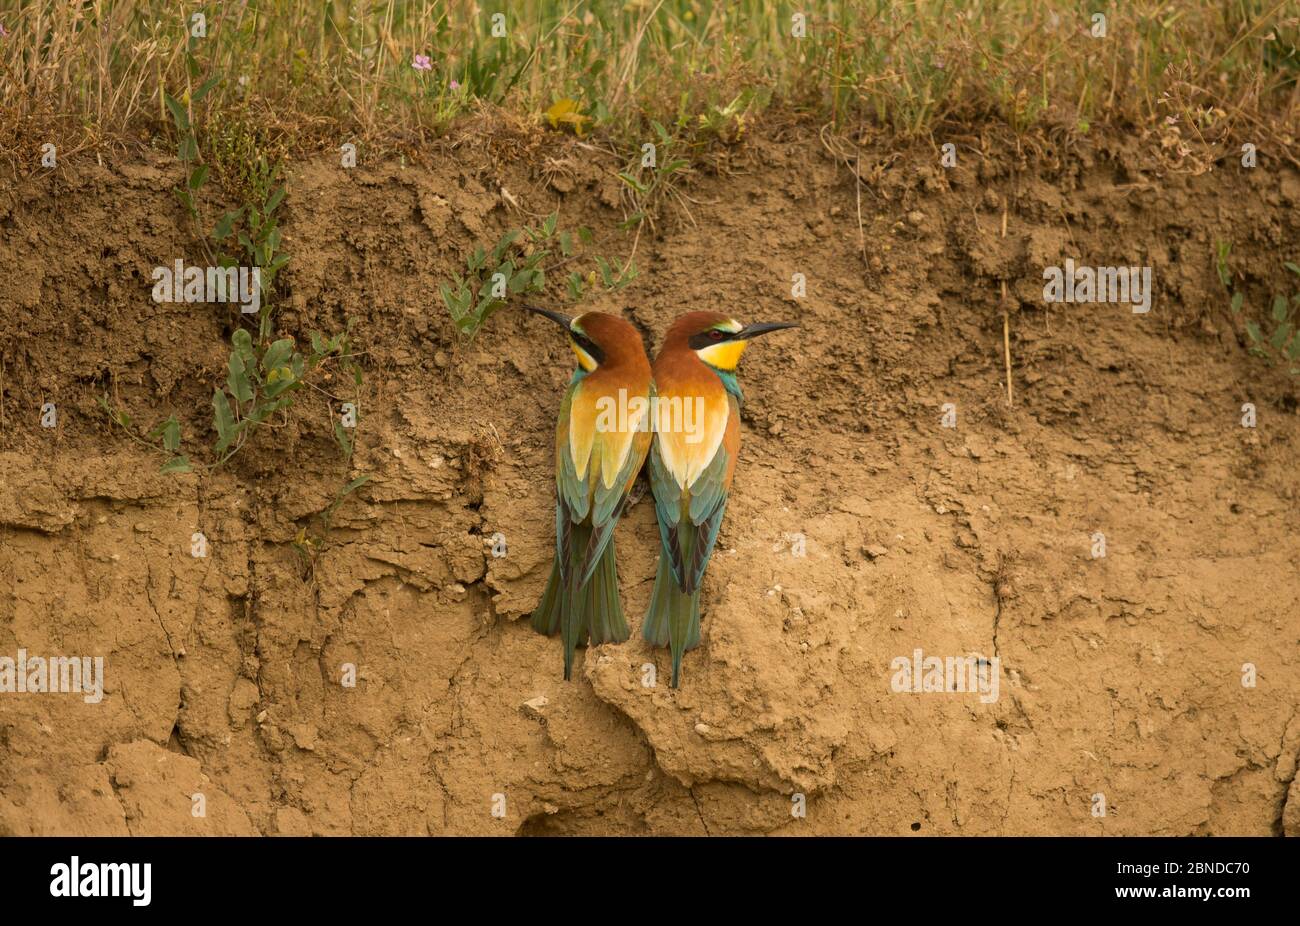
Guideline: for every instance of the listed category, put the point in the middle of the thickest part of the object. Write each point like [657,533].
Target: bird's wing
[708,503]
[668,507]
[572,498]
[613,458]
[689,519]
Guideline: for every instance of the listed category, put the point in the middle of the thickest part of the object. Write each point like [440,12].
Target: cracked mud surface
[1120,676]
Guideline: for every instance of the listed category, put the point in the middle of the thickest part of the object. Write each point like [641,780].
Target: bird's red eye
[715,334]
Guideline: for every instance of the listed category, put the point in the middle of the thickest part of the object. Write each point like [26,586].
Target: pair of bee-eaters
[691,433]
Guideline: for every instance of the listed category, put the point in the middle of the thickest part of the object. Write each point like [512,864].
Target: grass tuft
[405,69]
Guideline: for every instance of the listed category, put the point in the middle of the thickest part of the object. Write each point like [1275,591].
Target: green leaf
[121,418]
[266,409]
[625,274]
[566,243]
[280,380]
[1280,336]
[1252,329]
[354,485]
[506,240]
[277,354]
[342,439]
[548,227]
[447,299]
[1237,299]
[633,182]
[532,260]
[179,115]
[585,235]
[273,200]
[237,380]
[188,149]
[1279,309]
[575,286]
[1294,268]
[519,282]
[606,277]
[243,342]
[225,224]
[204,87]
[223,420]
[170,432]
[199,175]
[486,307]
[177,464]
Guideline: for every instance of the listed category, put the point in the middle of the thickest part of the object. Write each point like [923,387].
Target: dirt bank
[1119,676]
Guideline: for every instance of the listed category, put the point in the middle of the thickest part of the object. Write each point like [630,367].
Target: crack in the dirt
[153,606]
[696,801]
[997,623]
[117,793]
[446,795]
[1006,809]
[1280,820]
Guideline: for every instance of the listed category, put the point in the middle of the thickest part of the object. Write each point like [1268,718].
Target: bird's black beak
[754,330]
[564,321]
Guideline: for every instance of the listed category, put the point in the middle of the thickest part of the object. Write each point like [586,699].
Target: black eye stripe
[588,345]
[710,337]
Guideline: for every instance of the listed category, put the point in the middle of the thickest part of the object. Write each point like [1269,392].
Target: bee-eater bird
[691,464]
[601,439]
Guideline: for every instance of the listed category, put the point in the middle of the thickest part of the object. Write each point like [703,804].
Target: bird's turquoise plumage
[581,600]
[689,521]
[691,466]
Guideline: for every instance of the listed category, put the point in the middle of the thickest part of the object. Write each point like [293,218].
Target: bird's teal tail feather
[546,616]
[576,611]
[604,610]
[673,618]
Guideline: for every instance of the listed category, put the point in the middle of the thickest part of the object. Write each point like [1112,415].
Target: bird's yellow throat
[585,360]
[723,356]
